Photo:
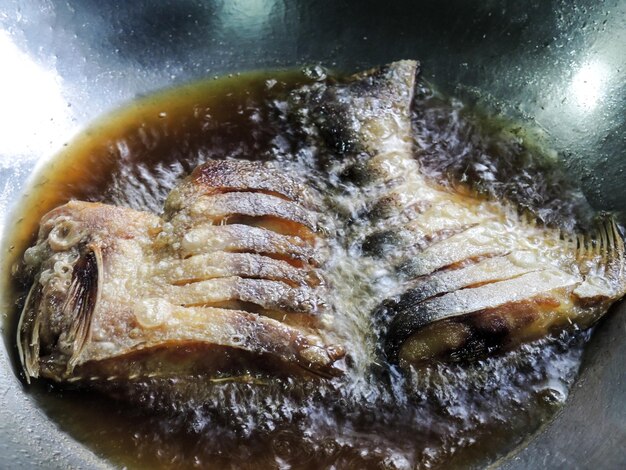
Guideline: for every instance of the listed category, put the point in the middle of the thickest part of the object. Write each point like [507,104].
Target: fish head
[67,265]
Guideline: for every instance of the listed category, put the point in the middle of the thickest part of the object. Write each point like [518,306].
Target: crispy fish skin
[214,177]
[475,275]
[117,293]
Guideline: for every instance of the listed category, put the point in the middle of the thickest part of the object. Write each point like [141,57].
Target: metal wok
[559,64]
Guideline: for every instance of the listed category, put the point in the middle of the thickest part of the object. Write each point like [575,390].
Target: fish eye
[64,235]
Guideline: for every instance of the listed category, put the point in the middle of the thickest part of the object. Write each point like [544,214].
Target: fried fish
[231,276]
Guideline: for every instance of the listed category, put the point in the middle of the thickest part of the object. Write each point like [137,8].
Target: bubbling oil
[447,415]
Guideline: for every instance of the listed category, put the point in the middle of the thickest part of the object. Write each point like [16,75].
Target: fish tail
[604,247]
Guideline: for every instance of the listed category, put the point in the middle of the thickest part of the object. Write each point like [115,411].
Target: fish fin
[605,244]
[601,255]
[28,333]
[82,297]
[612,250]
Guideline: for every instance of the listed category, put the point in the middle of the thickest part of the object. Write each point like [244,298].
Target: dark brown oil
[455,417]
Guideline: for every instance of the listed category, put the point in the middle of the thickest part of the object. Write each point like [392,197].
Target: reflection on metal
[246,17]
[589,84]
[33,109]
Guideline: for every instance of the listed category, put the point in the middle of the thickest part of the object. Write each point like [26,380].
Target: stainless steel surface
[558,64]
